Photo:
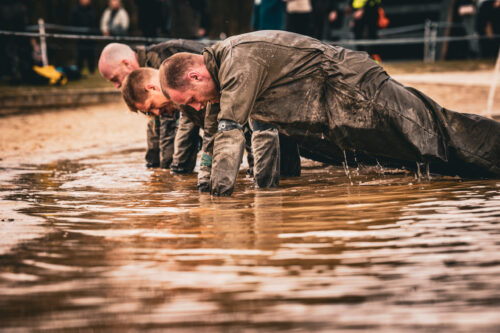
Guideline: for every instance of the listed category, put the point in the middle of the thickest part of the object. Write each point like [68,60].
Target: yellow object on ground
[53,76]
[358,4]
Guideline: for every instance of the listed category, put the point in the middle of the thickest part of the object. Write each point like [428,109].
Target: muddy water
[117,247]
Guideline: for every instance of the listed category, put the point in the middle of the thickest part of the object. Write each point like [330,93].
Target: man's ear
[154,87]
[193,76]
[128,64]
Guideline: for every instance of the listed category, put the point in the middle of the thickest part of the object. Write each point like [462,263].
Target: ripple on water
[123,247]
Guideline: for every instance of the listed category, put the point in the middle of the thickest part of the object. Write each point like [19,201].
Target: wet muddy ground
[101,243]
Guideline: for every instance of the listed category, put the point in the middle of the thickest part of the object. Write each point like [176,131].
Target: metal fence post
[43,43]
[427,34]
[433,41]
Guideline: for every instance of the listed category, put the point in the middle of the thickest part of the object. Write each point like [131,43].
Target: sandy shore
[43,136]
[462,98]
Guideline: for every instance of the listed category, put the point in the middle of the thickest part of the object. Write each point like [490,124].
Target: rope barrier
[68,28]
[416,28]
[149,40]
[410,40]
[85,37]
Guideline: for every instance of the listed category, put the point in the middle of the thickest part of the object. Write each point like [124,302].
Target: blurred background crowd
[333,20]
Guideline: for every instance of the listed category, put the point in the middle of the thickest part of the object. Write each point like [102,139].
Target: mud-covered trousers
[162,150]
[160,141]
[186,146]
[275,155]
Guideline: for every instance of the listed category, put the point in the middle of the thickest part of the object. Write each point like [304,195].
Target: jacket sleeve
[242,79]
[104,22]
[124,20]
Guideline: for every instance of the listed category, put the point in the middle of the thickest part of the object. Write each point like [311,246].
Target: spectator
[114,20]
[298,16]
[188,19]
[488,24]
[149,16]
[365,22]
[268,15]
[83,16]
[325,14]
[466,10]
[15,59]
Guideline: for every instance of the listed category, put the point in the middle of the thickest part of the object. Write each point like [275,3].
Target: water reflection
[124,247]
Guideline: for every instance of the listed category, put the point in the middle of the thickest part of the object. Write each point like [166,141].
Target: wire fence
[147,40]
[429,36]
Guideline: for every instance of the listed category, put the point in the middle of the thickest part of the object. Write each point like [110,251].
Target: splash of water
[418,174]
[356,161]
[346,168]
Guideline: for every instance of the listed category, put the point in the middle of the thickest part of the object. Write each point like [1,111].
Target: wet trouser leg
[289,157]
[248,148]
[205,170]
[187,141]
[210,127]
[153,143]
[266,152]
[168,128]
[409,128]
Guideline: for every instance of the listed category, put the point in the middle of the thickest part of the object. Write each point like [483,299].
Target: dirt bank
[42,135]
[469,99]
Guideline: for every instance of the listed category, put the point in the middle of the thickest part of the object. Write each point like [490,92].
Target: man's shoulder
[155,54]
[173,46]
[270,37]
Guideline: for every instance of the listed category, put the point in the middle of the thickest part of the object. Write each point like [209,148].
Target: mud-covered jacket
[152,56]
[343,105]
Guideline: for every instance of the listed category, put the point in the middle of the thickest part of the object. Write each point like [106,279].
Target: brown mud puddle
[118,247]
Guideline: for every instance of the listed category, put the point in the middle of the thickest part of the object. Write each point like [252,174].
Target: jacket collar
[141,55]
[212,65]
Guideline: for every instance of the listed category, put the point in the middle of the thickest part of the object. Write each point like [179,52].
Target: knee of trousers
[266,153]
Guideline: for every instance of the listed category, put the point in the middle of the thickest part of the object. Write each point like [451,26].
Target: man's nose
[156,112]
[196,106]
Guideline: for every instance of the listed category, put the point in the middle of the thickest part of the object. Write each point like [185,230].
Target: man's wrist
[228,125]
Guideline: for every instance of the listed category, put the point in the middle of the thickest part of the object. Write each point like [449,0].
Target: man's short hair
[173,71]
[134,87]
